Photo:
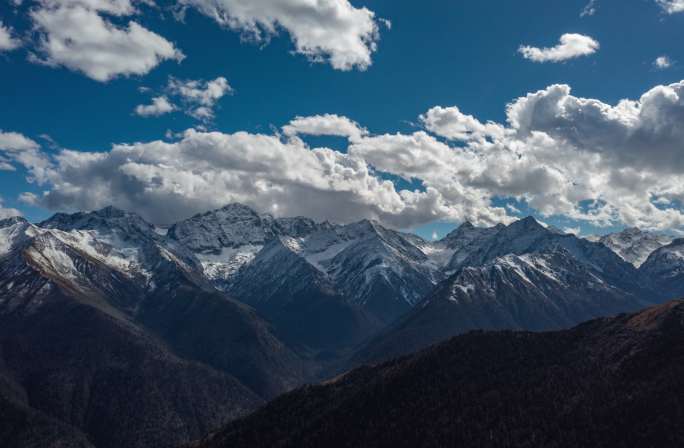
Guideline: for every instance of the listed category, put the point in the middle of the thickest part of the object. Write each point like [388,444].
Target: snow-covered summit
[665,268]
[234,226]
[12,233]
[634,245]
[108,220]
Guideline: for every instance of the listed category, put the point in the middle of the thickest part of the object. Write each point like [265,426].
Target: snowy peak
[634,245]
[460,243]
[221,228]
[106,221]
[12,221]
[526,226]
[113,240]
[667,261]
[226,239]
[234,226]
[12,232]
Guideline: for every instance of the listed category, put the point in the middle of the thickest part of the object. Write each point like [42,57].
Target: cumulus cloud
[78,35]
[451,123]
[570,46]
[558,154]
[644,133]
[671,6]
[15,148]
[200,96]
[195,97]
[332,31]
[662,63]
[160,106]
[208,169]
[328,124]
[14,141]
[7,41]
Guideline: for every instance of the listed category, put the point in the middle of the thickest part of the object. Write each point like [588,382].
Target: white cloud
[75,34]
[647,132]
[199,96]
[6,165]
[332,31]
[7,41]
[662,63]
[14,141]
[570,46]
[160,106]
[671,6]
[204,93]
[17,148]
[167,181]
[195,97]
[451,123]
[7,212]
[589,10]
[558,154]
[328,124]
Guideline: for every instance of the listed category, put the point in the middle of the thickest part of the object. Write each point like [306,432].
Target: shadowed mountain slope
[611,382]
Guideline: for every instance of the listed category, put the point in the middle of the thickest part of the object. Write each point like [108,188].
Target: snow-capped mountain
[300,300]
[465,240]
[118,264]
[634,245]
[384,271]
[312,287]
[535,291]
[528,236]
[665,267]
[226,239]
[522,277]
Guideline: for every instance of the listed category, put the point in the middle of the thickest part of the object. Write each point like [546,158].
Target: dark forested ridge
[611,382]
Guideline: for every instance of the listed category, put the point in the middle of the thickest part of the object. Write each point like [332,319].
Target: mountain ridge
[610,382]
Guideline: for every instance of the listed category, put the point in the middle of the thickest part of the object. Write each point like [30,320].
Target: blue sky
[436,53]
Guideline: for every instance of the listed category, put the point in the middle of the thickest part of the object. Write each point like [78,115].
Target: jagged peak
[458,231]
[112,212]
[528,223]
[234,209]
[107,218]
[237,207]
[109,212]
[11,221]
[366,224]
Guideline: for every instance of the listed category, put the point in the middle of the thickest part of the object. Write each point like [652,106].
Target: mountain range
[110,325]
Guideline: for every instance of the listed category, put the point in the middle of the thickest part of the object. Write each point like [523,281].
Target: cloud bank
[559,154]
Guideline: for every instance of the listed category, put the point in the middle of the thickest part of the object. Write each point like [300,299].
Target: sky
[420,115]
